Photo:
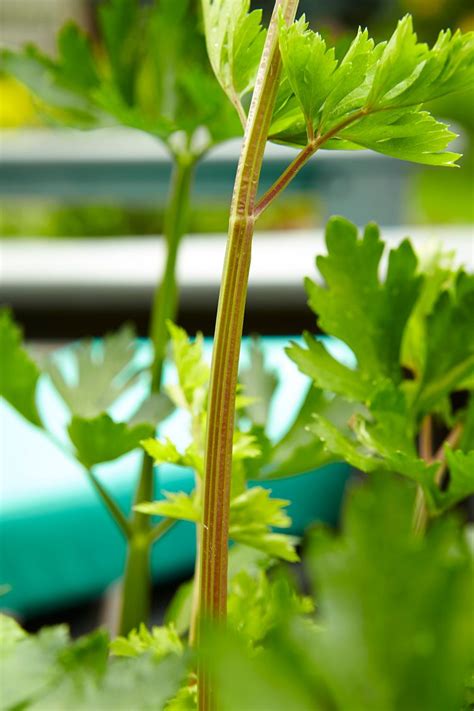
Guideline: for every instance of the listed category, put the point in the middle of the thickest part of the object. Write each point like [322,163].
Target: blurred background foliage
[431,196]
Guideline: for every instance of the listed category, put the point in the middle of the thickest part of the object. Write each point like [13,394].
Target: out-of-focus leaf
[360,606]
[259,383]
[103,371]
[100,439]
[18,372]
[180,506]
[159,641]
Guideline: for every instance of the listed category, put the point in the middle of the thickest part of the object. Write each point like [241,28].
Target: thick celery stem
[225,360]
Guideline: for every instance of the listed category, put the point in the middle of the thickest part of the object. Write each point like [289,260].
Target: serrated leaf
[180,506]
[18,372]
[103,371]
[235,39]
[373,97]
[309,66]
[193,372]
[252,514]
[327,372]
[357,307]
[159,641]
[259,383]
[150,73]
[408,135]
[100,439]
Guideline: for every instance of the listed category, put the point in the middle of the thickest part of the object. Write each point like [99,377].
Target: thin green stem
[165,299]
[137,578]
[225,359]
[161,528]
[113,508]
[137,585]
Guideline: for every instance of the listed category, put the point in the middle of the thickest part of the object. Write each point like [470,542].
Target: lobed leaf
[235,39]
[100,439]
[104,370]
[18,372]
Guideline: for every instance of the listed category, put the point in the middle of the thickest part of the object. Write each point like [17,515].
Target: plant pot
[58,544]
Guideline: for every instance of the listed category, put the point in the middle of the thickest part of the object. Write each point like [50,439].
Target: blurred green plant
[393,614]
[150,72]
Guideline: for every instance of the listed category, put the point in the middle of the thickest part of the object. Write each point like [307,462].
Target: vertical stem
[165,298]
[225,360]
[137,578]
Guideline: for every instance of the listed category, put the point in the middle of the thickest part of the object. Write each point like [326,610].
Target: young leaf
[252,514]
[104,370]
[159,641]
[180,506]
[193,372]
[235,39]
[305,56]
[100,439]
[18,373]
[374,97]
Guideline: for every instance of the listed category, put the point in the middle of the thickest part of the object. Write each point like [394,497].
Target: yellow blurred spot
[16,105]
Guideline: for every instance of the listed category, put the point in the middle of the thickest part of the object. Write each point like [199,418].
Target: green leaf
[359,602]
[235,39]
[28,664]
[357,307]
[19,373]
[193,372]
[409,135]
[461,479]
[445,369]
[327,372]
[159,641]
[252,514]
[180,506]
[150,72]
[256,604]
[47,671]
[259,384]
[373,97]
[309,66]
[104,370]
[100,439]
[299,450]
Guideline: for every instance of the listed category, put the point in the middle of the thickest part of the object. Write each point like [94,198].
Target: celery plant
[151,74]
[303,97]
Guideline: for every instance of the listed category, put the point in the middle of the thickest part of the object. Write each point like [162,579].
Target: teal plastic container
[58,545]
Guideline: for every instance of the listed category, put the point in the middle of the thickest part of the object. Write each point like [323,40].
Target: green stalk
[137,578]
[225,359]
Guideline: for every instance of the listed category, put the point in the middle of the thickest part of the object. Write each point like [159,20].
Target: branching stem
[113,508]
[300,161]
